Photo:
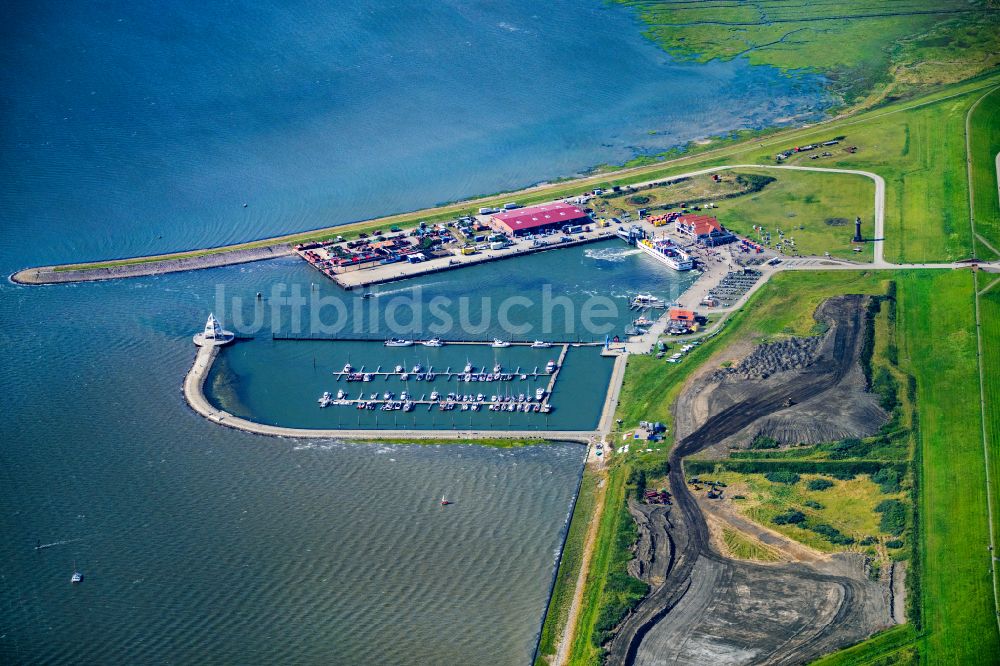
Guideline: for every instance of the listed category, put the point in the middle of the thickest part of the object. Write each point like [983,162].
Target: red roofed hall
[537,218]
[704,229]
[680,315]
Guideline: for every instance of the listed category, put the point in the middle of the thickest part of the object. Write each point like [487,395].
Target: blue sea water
[133,127]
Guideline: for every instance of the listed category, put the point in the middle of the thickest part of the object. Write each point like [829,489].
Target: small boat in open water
[77,576]
[444,501]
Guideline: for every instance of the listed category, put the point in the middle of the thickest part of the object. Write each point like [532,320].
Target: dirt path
[569,631]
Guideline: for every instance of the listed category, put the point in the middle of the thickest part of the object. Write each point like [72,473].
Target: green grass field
[984,140]
[938,346]
[989,315]
[817,210]
[743,547]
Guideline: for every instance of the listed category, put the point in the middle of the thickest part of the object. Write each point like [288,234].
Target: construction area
[706,608]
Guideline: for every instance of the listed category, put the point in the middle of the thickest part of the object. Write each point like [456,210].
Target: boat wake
[43,546]
[615,254]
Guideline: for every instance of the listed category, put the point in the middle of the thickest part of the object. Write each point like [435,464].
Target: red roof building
[704,229]
[680,315]
[536,218]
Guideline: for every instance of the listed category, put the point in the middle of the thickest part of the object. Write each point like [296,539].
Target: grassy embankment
[496,442]
[569,567]
[906,142]
[866,51]
[984,142]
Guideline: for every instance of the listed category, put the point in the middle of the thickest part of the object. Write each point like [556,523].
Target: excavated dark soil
[712,610]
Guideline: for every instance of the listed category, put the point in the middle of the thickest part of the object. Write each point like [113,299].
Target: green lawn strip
[583,651]
[989,316]
[569,568]
[984,141]
[938,345]
[892,647]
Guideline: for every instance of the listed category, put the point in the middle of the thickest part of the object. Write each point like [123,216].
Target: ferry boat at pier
[666,252]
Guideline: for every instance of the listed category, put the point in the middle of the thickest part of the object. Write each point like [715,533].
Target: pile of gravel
[769,358]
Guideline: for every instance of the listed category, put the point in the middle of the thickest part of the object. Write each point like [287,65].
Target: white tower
[213,335]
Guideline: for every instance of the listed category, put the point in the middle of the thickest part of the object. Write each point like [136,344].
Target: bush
[887,388]
[893,519]
[888,479]
[852,447]
[868,541]
[764,442]
[843,475]
[639,199]
[812,504]
[782,476]
[790,517]
[819,484]
[832,534]
[894,543]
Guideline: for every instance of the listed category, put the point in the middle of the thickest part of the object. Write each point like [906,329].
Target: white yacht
[435,395]
[433,342]
[539,393]
[498,343]
[417,368]
[468,368]
[399,369]
[348,368]
[341,394]
[497,368]
[398,342]
[540,344]
[404,396]
[325,399]
[550,367]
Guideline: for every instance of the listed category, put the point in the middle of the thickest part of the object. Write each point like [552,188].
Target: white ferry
[666,252]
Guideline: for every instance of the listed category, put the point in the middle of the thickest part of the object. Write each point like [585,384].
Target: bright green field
[989,316]
[803,204]
[984,140]
[938,346]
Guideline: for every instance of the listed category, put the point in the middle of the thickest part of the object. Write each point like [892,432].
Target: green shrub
[790,517]
[832,534]
[893,519]
[888,480]
[812,504]
[819,484]
[894,543]
[764,442]
[868,541]
[782,476]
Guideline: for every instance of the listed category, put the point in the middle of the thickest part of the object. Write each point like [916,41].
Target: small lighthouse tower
[213,335]
[857,231]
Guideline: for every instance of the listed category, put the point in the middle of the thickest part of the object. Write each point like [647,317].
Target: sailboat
[444,501]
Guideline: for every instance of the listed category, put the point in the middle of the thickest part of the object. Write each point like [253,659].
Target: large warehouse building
[537,218]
